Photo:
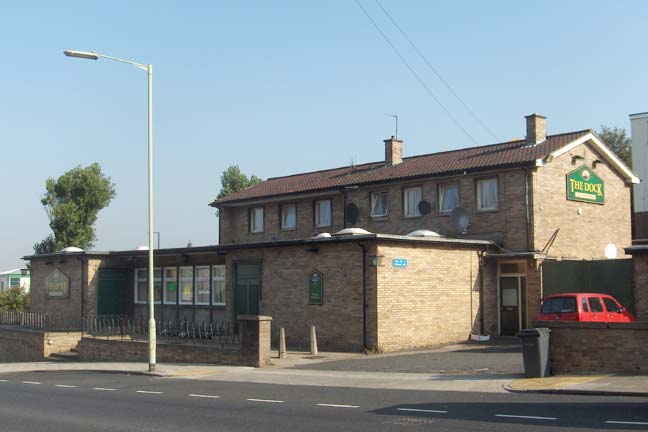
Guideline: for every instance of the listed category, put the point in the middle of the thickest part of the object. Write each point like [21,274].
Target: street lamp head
[81,54]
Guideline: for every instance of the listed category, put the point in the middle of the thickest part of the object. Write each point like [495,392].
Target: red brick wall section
[21,345]
[597,347]
[116,350]
[284,293]
[641,286]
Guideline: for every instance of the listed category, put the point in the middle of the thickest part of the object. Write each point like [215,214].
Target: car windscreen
[559,305]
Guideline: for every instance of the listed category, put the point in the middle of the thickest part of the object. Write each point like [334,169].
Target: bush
[14,299]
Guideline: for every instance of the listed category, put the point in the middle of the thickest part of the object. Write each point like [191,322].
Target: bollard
[282,343]
[313,341]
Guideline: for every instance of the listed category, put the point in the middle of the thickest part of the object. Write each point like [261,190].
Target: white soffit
[607,153]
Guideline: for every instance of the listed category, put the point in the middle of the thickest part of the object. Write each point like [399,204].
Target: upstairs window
[256,220]
[487,194]
[411,199]
[288,216]
[448,197]
[378,204]
[323,213]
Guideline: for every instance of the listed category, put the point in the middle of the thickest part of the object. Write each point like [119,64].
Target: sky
[281,87]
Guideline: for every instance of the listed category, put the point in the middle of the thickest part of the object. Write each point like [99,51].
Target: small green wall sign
[57,285]
[585,186]
[315,285]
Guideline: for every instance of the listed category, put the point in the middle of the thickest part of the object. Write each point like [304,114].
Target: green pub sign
[57,285]
[585,186]
[315,284]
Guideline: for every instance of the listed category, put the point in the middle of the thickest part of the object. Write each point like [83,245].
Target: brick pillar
[255,339]
[641,286]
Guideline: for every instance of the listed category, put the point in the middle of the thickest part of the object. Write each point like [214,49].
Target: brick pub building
[397,254]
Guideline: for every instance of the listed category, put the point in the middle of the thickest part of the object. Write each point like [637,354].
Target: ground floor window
[218,280]
[187,285]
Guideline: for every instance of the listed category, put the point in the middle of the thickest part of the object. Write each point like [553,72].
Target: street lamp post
[151,297]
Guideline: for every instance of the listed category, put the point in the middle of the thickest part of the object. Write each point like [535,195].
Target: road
[88,401]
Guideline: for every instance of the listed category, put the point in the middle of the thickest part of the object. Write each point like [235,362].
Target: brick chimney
[393,151]
[536,129]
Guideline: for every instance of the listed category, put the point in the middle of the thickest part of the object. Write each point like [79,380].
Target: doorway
[112,296]
[512,298]
[247,289]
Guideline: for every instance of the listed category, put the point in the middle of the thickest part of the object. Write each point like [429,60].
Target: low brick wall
[254,349]
[598,347]
[18,344]
[117,350]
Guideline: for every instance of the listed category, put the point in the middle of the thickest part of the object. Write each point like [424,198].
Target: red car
[584,307]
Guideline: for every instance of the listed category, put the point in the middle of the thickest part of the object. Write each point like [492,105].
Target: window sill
[289,229]
[323,226]
[488,210]
[380,218]
[413,217]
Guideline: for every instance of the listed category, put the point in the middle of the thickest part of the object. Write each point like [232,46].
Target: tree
[619,143]
[233,180]
[14,299]
[72,203]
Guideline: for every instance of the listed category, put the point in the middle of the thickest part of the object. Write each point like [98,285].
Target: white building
[639,135]
[15,277]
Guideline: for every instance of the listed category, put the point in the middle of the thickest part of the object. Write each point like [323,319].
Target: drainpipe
[481,292]
[83,282]
[528,214]
[364,294]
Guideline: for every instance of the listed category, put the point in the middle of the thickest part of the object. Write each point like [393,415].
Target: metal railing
[124,328]
[24,319]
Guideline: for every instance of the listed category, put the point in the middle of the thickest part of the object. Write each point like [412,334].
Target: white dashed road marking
[30,382]
[148,392]
[626,422]
[204,396]
[4,380]
[422,410]
[526,417]
[102,389]
[338,406]
[65,386]
[265,400]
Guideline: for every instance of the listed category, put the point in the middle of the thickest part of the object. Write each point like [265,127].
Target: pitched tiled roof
[470,159]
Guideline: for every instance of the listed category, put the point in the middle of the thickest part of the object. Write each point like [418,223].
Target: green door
[247,293]
[112,298]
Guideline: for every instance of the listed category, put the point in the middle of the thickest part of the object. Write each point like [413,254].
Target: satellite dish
[352,213]
[424,207]
[460,219]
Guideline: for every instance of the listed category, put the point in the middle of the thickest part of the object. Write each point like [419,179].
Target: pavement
[494,367]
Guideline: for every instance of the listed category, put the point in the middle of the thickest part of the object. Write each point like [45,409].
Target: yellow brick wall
[583,236]
[433,301]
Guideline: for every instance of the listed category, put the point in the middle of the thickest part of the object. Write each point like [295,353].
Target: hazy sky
[281,87]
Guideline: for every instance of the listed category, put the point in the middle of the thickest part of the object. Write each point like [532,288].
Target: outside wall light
[376,260]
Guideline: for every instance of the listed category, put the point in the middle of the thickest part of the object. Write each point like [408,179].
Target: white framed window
[411,199]
[256,220]
[323,213]
[378,204]
[141,288]
[288,216]
[170,285]
[487,194]
[202,285]
[141,285]
[186,285]
[157,285]
[448,197]
[218,281]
